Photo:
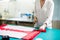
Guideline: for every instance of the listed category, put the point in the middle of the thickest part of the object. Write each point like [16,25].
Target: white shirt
[44,14]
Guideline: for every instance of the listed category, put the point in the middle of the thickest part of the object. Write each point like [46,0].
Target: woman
[43,13]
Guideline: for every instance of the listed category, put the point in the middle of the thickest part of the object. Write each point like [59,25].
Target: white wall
[56,15]
[3,6]
[14,7]
[25,5]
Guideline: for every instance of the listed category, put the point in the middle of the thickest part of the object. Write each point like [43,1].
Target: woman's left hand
[42,27]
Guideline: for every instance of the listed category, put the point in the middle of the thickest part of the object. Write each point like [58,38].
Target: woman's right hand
[35,20]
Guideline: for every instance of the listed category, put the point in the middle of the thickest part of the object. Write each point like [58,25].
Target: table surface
[50,34]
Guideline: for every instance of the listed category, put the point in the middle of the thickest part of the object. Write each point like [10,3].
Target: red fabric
[14,30]
[31,35]
[3,25]
[42,30]
[8,29]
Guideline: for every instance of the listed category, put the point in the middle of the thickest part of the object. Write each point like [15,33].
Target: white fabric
[13,34]
[44,14]
[23,28]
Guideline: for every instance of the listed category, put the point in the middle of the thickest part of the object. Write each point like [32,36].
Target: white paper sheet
[13,34]
[24,28]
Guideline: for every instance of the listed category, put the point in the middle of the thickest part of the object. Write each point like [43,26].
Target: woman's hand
[35,20]
[43,27]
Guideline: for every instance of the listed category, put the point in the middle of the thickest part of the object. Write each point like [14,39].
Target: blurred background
[19,8]
[56,15]
[17,11]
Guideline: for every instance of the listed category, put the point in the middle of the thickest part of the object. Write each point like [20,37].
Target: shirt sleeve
[34,12]
[50,13]
[35,8]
